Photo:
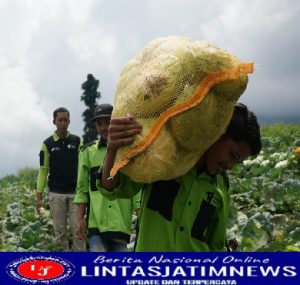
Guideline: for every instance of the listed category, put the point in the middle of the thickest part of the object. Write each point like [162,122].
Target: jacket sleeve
[80,146]
[217,232]
[83,178]
[43,170]
[136,201]
[126,189]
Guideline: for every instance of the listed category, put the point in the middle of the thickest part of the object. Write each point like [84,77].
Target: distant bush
[28,175]
[25,175]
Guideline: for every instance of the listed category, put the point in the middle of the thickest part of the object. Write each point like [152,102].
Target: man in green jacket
[109,222]
[58,167]
[188,213]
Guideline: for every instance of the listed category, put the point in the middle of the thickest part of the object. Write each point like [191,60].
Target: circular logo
[40,269]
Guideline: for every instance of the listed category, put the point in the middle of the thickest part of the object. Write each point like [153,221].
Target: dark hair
[243,126]
[60,109]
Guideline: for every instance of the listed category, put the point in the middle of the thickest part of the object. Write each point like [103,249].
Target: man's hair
[60,109]
[243,126]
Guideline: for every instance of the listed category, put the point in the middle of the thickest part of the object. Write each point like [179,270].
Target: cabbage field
[265,212]
[266,194]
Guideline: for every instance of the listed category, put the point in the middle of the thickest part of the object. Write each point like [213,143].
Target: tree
[89,97]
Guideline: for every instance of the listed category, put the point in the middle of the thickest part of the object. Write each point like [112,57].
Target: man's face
[224,154]
[102,125]
[62,122]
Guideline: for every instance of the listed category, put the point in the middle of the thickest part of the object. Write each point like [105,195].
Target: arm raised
[121,132]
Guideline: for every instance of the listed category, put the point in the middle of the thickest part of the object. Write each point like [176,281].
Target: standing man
[109,222]
[58,166]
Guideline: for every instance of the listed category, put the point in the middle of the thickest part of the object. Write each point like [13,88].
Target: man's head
[61,119]
[241,139]
[101,118]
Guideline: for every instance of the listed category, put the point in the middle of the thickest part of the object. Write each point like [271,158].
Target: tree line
[90,96]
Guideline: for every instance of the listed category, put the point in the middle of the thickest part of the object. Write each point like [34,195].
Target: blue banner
[258,268]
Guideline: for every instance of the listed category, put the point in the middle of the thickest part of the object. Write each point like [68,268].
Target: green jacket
[111,218]
[186,214]
[58,164]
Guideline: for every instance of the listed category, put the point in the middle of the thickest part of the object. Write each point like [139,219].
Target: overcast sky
[47,47]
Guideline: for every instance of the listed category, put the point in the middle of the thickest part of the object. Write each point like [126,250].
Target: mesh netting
[183,93]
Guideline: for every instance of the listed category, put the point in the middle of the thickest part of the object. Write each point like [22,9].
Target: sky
[47,48]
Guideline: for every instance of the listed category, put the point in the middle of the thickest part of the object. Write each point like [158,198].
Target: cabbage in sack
[183,93]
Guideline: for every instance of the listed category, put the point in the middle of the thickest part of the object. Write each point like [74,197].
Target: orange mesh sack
[183,93]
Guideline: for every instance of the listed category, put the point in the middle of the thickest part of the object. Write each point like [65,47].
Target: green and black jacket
[108,218]
[58,164]
[185,214]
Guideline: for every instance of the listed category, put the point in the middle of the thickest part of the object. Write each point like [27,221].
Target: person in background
[58,167]
[188,213]
[109,222]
